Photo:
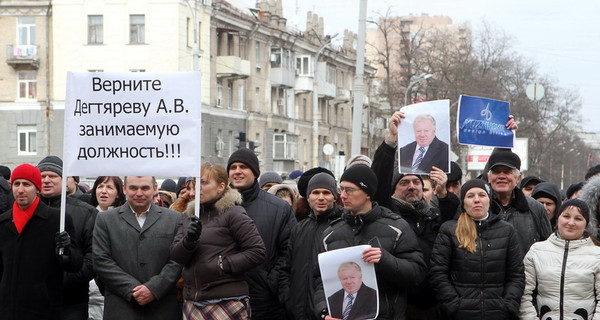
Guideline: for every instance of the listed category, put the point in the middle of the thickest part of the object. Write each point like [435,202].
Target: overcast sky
[562,37]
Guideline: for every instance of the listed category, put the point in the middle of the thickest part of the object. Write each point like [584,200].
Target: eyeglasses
[347,190]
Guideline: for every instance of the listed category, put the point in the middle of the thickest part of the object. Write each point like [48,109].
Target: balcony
[22,55]
[283,77]
[343,95]
[326,88]
[232,66]
[304,84]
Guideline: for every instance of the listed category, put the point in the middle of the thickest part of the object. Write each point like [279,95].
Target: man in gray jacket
[132,255]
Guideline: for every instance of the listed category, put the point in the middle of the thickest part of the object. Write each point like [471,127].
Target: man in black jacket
[304,244]
[274,220]
[76,284]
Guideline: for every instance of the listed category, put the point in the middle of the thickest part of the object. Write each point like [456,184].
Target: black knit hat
[247,157]
[475,183]
[574,188]
[397,176]
[585,210]
[169,185]
[455,172]
[363,177]
[322,180]
[306,176]
[530,180]
[51,163]
[5,172]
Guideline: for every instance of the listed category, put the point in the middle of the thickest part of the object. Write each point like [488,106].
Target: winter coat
[566,276]
[527,216]
[76,284]
[590,194]
[6,197]
[229,245]
[486,284]
[31,285]
[127,255]
[274,220]
[303,251]
[401,264]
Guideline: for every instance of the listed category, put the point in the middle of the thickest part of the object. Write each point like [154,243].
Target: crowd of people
[496,247]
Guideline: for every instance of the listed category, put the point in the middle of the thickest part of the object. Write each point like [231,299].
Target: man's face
[71,185]
[140,192]
[424,132]
[427,190]
[453,187]
[409,188]
[549,205]
[351,279]
[24,192]
[503,179]
[51,184]
[320,200]
[240,176]
[354,199]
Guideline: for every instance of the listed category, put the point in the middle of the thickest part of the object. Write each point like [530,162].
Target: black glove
[194,231]
[63,240]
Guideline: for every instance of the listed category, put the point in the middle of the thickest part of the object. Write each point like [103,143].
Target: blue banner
[483,121]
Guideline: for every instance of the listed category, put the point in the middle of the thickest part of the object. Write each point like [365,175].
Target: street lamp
[416,80]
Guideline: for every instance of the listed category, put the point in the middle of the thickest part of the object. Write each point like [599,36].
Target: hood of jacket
[548,190]
[229,199]
[590,193]
[283,186]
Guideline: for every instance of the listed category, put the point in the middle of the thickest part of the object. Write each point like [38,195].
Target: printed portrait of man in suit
[355,301]
[426,151]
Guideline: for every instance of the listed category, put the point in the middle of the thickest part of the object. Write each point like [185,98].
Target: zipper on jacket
[482,272]
[562,279]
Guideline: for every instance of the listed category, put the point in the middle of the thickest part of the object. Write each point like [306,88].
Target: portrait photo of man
[426,151]
[355,301]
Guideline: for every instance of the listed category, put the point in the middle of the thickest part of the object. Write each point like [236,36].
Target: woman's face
[571,224]
[106,193]
[210,189]
[476,203]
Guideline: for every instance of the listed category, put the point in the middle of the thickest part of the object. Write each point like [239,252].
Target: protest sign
[483,121]
[344,272]
[424,137]
[132,124]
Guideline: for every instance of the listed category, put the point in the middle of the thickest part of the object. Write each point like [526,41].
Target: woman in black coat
[477,265]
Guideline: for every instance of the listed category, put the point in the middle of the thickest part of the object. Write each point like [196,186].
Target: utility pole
[359,86]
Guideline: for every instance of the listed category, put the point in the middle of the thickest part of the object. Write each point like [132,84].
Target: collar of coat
[229,199]
[518,200]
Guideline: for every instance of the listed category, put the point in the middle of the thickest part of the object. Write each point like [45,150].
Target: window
[285,146]
[27,84]
[242,96]
[27,140]
[136,28]
[281,58]
[219,95]
[256,98]
[303,66]
[331,75]
[229,94]
[243,48]
[257,54]
[26,31]
[95,26]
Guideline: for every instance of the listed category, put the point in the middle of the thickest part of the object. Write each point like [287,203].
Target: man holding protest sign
[75,300]
[132,255]
[274,220]
[31,271]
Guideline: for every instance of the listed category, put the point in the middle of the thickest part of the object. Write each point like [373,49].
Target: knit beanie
[359,159]
[295,174]
[324,181]
[585,210]
[397,176]
[475,183]
[5,172]
[363,177]
[29,173]
[455,172]
[306,176]
[247,157]
[51,163]
[169,185]
[269,177]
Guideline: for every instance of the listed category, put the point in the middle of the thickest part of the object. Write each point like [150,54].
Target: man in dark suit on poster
[426,151]
[355,301]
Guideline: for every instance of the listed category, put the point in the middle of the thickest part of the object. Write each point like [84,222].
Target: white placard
[478,155]
[132,124]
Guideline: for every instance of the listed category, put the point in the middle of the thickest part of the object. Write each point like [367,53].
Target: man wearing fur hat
[31,270]
[75,300]
[394,247]
[274,220]
[322,193]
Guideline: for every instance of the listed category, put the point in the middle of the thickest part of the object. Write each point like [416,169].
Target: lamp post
[315,105]
[416,80]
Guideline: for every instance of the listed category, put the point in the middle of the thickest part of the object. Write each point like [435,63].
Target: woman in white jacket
[564,270]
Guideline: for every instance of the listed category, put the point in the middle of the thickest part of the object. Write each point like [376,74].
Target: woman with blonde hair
[216,250]
[563,273]
[476,264]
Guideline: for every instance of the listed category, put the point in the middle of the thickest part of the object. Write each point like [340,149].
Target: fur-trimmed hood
[590,193]
[229,199]
[284,186]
